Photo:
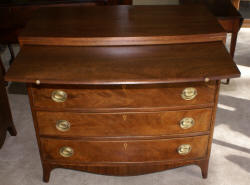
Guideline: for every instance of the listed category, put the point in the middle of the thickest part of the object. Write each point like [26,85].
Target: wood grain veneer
[144,151]
[107,125]
[131,97]
[51,159]
[97,116]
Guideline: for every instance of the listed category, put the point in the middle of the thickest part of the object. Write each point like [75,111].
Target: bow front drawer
[124,151]
[71,124]
[117,96]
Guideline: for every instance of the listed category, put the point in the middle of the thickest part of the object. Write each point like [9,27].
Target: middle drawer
[71,124]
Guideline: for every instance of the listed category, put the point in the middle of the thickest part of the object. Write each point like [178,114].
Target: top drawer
[123,97]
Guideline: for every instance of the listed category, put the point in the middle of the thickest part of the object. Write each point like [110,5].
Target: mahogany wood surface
[122,124]
[113,168]
[152,151]
[133,97]
[121,25]
[216,97]
[110,87]
[123,65]
[15,14]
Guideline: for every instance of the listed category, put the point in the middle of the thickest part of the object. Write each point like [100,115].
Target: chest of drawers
[123,100]
[117,119]
[124,129]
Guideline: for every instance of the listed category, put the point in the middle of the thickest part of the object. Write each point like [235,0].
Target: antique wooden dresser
[132,93]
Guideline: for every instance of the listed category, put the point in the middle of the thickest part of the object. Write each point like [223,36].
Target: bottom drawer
[124,151]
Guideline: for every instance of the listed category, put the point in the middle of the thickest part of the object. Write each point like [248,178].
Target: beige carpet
[229,163]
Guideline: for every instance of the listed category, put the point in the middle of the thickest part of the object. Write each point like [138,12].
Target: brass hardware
[125,146]
[184,149]
[187,123]
[62,125]
[124,117]
[38,82]
[66,151]
[189,93]
[207,80]
[59,96]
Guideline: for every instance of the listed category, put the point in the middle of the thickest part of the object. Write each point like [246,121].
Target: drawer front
[124,151]
[130,96]
[123,124]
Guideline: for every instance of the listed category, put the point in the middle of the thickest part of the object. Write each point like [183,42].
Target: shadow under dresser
[125,109]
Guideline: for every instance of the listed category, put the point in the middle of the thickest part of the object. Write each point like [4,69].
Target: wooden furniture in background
[122,109]
[6,122]
[228,16]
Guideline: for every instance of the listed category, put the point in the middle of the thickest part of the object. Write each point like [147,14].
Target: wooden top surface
[121,25]
[123,64]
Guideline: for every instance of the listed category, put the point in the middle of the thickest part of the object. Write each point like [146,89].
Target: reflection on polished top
[122,25]
[123,65]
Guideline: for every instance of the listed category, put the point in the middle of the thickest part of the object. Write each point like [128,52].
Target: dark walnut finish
[6,122]
[123,110]
[121,25]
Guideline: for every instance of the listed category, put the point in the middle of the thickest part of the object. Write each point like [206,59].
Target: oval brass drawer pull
[189,93]
[66,151]
[184,149]
[187,123]
[59,96]
[62,125]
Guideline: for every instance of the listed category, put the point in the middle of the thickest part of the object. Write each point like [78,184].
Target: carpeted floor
[229,163]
